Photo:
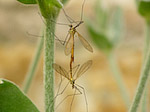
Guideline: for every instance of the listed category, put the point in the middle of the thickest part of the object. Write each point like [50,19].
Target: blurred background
[17,49]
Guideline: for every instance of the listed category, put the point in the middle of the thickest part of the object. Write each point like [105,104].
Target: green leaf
[28,1]
[144,8]
[100,39]
[101,16]
[13,100]
[116,26]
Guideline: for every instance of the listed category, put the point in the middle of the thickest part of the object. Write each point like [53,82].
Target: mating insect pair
[69,49]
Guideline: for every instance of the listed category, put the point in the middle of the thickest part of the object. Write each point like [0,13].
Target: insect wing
[69,45]
[60,70]
[84,68]
[85,43]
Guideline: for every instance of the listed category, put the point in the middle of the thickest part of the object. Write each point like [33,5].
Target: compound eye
[70,25]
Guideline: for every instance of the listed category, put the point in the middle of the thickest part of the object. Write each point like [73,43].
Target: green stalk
[143,78]
[146,47]
[48,61]
[117,75]
[32,69]
[144,100]
[147,40]
[49,10]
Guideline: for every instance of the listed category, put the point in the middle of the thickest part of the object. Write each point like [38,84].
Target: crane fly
[84,67]
[69,42]
[69,46]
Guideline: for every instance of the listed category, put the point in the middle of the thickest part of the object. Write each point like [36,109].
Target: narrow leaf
[13,100]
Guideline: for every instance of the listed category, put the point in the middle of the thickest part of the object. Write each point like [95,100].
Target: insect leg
[82,10]
[51,21]
[66,39]
[68,18]
[56,37]
[58,94]
[84,95]
[72,100]
[67,97]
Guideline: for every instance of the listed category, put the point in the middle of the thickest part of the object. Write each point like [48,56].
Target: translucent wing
[85,43]
[84,68]
[69,45]
[61,70]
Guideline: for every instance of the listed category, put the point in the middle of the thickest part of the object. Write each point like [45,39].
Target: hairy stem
[146,47]
[147,39]
[143,78]
[33,66]
[117,75]
[144,100]
[48,61]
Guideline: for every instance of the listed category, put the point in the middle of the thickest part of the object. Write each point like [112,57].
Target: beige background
[17,49]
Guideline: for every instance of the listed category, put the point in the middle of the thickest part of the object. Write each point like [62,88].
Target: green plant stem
[147,40]
[142,83]
[33,66]
[146,47]
[48,61]
[144,100]
[117,75]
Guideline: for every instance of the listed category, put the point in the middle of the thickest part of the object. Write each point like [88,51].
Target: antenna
[82,10]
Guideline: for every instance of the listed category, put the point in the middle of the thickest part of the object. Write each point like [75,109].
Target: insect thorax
[72,82]
[72,29]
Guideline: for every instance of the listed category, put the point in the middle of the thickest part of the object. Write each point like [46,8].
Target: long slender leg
[84,95]
[58,94]
[53,33]
[68,97]
[51,21]
[54,100]
[72,100]
[62,90]
[60,41]
[59,23]
[56,38]
[68,18]
[59,85]
[82,10]
[66,38]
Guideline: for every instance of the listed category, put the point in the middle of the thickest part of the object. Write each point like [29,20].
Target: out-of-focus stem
[117,76]
[146,47]
[33,66]
[142,82]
